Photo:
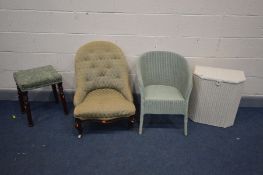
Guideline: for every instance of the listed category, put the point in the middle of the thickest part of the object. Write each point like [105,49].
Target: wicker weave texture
[214,103]
[165,83]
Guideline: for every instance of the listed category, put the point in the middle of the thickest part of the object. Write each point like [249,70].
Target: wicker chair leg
[141,123]
[185,124]
[79,127]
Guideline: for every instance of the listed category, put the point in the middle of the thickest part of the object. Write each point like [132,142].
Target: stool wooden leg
[62,97]
[55,92]
[27,109]
[78,127]
[20,97]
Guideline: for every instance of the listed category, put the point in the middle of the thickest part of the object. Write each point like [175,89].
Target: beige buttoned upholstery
[102,83]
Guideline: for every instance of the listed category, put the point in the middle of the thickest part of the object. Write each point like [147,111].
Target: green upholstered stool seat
[37,77]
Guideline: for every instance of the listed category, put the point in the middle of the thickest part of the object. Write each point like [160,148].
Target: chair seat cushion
[162,92]
[37,77]
[104,104]
[161,99]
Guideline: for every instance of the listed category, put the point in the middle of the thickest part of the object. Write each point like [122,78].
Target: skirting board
[36,95]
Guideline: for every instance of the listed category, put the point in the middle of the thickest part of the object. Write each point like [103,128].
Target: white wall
[222,33]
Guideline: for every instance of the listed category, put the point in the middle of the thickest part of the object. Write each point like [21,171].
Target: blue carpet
[51,146]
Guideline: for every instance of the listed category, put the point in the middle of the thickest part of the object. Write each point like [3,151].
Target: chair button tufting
[102,74]
[108,66]
[92,65]
[117,75]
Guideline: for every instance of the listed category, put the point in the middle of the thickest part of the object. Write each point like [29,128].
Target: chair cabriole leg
[131,121]
[78,127]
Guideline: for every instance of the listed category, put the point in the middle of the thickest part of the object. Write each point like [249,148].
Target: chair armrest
[189,89]
[188,85]
[140,79]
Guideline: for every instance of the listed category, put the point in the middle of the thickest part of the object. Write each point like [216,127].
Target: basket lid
[219,74]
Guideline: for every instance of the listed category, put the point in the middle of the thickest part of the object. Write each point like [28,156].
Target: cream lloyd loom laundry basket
[216,95]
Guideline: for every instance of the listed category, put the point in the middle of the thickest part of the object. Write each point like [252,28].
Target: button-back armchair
[165,83]
[103,90]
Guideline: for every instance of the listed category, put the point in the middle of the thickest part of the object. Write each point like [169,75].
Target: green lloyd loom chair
[103,90]
[165,83]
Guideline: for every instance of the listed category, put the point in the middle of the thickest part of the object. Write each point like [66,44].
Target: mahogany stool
[35,78]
